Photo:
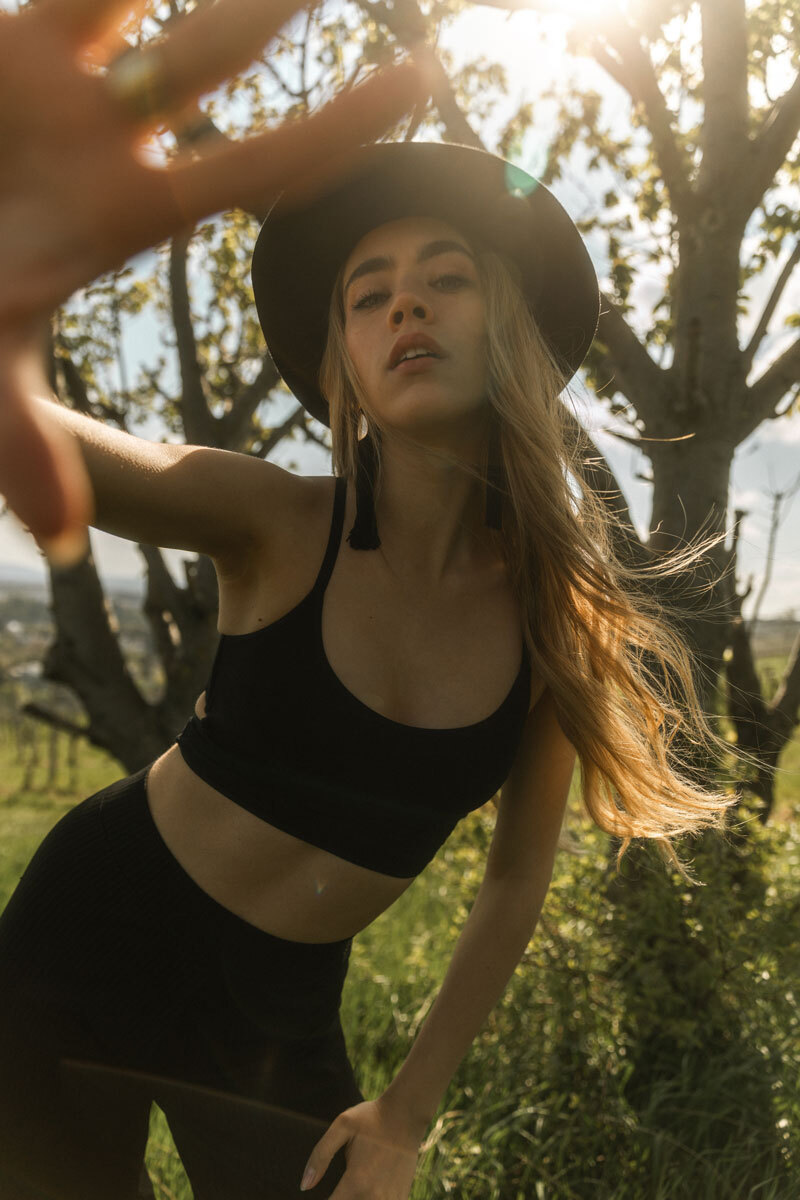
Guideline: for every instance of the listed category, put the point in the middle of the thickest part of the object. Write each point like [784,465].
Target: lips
[413,341]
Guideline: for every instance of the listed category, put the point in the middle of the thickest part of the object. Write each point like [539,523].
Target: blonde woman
[438,622]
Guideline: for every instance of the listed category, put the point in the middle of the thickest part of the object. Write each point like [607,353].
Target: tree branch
[403,19]
[406,23]
[456,125]
[635,373]
[767,391]
[596,473]
[723,138]
[234,424]
[769,309]
[774,525]
[74,383]
[320,441]
[87,657]
[633,70]
[163,607]
[771,146]
[786,701]
[196,417]
[53,719]
[280,81]
[269,443]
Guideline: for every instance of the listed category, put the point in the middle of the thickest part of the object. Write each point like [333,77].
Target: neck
[431,511]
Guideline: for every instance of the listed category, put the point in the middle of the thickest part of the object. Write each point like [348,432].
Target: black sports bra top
[284,738]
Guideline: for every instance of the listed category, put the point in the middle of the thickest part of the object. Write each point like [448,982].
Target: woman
[183,934]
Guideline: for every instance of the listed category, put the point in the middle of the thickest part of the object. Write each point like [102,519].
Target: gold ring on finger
[137,81]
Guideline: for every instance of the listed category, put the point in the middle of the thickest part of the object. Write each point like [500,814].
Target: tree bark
[86,657]
[690,495]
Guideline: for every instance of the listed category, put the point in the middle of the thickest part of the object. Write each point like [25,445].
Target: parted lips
[410,343]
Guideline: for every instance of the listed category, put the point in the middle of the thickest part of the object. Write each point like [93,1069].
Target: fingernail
[308,1179]
[67,549]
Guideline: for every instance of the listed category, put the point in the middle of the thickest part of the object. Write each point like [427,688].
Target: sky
[769,461]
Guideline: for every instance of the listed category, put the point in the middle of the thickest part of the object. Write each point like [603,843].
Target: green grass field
[545,1106]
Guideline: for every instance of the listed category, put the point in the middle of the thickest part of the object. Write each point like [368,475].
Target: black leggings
[123,983]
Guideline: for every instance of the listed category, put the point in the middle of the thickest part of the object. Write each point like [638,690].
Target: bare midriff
[270,878]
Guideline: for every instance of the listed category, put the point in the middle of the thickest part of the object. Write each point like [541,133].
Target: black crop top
[285,739]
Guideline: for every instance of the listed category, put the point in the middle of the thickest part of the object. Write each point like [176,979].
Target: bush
[646,1046]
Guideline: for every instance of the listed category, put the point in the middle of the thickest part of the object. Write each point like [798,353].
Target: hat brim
[302,246]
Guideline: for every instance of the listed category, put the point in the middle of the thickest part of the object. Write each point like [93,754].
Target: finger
[42,473]
[82,19]
[211,44]
[115,39]
[252,173]
[336,1135]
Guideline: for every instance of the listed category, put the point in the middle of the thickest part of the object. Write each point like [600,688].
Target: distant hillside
[775,637]
[13,577]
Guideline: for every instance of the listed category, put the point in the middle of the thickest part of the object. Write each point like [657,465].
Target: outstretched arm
[497,931]
[76,199]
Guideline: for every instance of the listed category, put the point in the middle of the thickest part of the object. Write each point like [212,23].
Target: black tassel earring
[364,534]
[494,480]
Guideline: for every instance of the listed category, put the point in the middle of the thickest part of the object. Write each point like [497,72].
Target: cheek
[357,345]
[479,342]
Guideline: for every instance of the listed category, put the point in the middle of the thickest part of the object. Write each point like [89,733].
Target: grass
[544,1106]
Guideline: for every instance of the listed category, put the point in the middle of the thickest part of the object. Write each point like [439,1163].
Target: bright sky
[769,461]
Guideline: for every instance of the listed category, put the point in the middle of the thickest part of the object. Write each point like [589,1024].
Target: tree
[688,389]
[763,724]
[703,169]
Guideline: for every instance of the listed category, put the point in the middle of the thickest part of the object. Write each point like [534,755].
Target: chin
[432,414]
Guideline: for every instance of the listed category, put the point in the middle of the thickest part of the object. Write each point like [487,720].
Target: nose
[405,305]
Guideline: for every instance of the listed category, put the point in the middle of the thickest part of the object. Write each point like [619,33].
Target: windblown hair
[620,674]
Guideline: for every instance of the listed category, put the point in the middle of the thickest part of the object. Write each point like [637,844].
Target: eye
[451,283]
[370,299]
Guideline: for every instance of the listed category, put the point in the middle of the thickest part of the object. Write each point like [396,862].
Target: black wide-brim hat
[496,205]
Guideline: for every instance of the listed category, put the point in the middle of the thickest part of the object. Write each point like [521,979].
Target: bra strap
[335,538]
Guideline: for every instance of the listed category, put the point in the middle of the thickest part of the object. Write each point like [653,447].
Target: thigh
[68,1129]
[268,1055]
[64,989]
[256,1144]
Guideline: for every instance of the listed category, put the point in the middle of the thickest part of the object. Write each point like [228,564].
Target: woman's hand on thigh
[381,1152]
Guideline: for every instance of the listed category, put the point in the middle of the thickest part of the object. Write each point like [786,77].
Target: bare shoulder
[286,509]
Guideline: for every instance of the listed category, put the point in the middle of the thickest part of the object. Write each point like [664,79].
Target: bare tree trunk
[763,727]
[86,656]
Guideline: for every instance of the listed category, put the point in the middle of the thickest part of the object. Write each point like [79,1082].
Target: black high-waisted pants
[123,983]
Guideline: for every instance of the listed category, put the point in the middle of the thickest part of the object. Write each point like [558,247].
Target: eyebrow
[429,250]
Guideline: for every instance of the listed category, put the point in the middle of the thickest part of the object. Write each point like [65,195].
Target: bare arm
[383,1135]
[76,199]
[502,919]
[197,498]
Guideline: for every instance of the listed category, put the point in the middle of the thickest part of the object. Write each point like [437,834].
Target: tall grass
[645,1049]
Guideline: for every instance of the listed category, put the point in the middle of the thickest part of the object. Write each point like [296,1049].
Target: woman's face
[412,286]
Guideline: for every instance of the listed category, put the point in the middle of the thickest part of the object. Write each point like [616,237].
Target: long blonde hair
[588,621]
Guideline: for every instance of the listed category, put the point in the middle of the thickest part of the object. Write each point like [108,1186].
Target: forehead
[398,237]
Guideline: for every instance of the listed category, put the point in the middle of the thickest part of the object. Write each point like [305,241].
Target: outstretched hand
[77,198]
[381,1151]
